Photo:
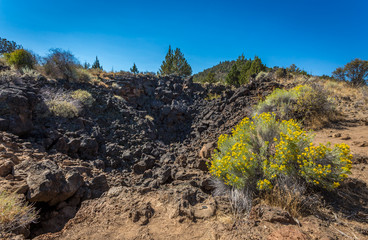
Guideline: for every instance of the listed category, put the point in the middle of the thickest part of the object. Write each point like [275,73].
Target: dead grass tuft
[14,212]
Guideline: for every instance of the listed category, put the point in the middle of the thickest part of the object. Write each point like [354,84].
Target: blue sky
[317,36]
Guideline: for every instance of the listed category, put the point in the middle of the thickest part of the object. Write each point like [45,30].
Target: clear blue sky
[316,35]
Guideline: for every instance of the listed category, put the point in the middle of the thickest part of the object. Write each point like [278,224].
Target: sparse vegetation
[63,108]
[264,152]
[62,104]
[212,96]
[14,212]
[281,73]
[309,105]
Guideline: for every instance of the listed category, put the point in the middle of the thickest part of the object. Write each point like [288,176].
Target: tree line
[234,73]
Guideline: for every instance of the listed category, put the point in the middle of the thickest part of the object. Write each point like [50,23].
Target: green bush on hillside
[304,103]
[61,64]
[281,73]
[241,72]
[20,59]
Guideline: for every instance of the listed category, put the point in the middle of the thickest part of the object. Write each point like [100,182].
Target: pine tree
[96,64]
[175,63]
[134,69]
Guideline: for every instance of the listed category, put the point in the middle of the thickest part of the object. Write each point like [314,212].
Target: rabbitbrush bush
[83,96]
[262,152]
[307,104]
[63,104]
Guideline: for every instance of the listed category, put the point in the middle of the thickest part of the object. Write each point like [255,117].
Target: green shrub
[14,213]
[281,73]
[84,97]
[61,64]
[309,105]
[264,152]
[20,59]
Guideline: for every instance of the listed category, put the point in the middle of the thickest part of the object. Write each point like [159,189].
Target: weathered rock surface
[142,131]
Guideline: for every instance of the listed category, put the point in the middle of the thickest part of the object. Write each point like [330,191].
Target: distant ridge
[220,70]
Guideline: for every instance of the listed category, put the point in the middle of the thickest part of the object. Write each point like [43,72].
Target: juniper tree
[8,46]
[232,77]
[210,77]
[86,65]
[96,64]
[355,71]
[175,63]
[134,69]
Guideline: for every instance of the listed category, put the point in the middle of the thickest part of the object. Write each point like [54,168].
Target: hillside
[131,162]
[220,70]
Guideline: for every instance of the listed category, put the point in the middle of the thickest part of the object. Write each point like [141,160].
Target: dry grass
[291,199]
[337,89]
[345,96]
[149,117]
[212,96]
[345,90]
[14,212]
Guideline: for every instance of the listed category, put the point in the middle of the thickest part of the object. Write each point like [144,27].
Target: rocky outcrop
[47,182]
[142,131]
[17,104]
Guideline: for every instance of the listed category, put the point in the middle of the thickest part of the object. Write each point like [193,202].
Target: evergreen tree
[210,77]
[86,65]
[134,69]
[256,67]
[96,64]
[175,63]
[244,72]
[233,77]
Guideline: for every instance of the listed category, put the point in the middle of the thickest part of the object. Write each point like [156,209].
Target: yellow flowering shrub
[262,149]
